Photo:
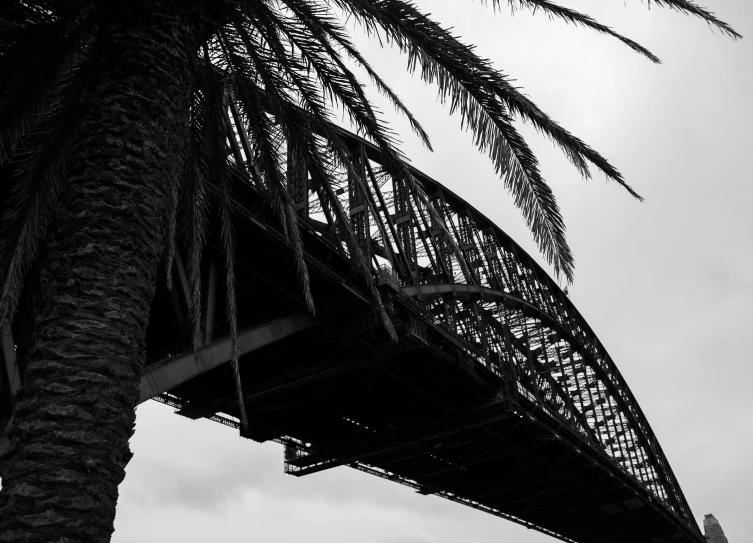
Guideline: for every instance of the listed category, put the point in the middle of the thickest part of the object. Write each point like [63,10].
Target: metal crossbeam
[388,442]
[285,385]
[173,371]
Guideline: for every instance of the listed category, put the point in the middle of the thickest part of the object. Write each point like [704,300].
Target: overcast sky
[666,284]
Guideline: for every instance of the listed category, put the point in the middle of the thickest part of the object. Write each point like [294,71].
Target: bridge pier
[713,530]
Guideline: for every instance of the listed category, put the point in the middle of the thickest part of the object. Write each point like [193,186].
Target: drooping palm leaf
[194,205]
[37,183]
[466,80]
[298,131]
[342,87]
[216,134]
[34,58]
[691,8]
[324,27]
[244,68]
[575,17]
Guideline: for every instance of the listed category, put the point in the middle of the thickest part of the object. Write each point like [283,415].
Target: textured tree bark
[72,424]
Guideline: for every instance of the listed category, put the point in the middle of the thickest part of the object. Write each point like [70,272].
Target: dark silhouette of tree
[112,138]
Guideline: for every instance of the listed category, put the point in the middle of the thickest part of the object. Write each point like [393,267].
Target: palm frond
[691,8]
[24,13]
[338,81]
[38,181]
[357,254]
[18,14]
[342,85]
[469,82]
[257,61]
[33,59]
[298,131]
[325,28]
[194,206]
[571,16]
[575,17]
[171,218]
[216,137]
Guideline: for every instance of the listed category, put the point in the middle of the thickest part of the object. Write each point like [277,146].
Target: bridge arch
[469,278]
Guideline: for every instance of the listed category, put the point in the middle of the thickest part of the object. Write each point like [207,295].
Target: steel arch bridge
[497,394]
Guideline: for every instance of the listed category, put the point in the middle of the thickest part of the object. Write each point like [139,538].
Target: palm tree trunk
[73,422]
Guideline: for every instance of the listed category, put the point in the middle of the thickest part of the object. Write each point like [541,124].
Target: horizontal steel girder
[392,441]
[490,295]
[284,385]
[486,293]
[171,372]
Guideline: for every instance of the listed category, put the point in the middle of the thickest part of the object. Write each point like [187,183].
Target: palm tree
[112,138]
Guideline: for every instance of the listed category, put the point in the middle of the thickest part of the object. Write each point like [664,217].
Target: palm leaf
[33,59]
[216,134]
[325,28]
[298,132]
[691,8]
[243,68]
[574,17]
[194,205]
[342,86]
[469,82]
[38,182]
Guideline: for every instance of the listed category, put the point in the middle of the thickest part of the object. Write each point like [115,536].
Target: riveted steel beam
[171,372]
[393,441]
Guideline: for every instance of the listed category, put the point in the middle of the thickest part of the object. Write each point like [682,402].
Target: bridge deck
[423,412]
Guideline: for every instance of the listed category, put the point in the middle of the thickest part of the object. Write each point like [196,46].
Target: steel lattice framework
[476,282]
[447,275]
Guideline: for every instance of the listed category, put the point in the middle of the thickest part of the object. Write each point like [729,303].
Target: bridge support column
[713,530]
[359,204]
[298,182]
[404,224]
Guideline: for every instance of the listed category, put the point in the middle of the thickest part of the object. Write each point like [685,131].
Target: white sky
[665,284]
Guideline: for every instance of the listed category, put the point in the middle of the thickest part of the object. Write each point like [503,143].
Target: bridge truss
[476,282]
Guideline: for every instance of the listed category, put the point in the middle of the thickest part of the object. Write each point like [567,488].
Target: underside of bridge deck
[456,434]
[338,392]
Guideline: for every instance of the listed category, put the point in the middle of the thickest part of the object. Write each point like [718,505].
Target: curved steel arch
[433,245]
[506,302]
